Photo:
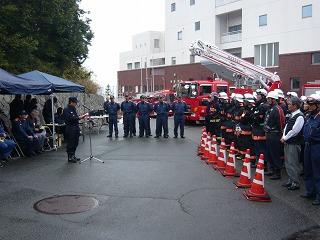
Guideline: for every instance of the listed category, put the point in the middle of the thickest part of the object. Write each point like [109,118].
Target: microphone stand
[91,155]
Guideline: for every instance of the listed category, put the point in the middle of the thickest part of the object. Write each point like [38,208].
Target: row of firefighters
[285,129]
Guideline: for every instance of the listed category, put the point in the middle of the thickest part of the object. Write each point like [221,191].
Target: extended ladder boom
[268,80]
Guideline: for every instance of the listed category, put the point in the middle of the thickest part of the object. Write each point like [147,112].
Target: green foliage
[48,35]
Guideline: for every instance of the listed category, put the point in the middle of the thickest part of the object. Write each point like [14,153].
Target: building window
[129,66]
[192,58]
[173,61]
[266,55]
[295,83]
[192,2]
[156,43]
[263,20]
[197,26]
[180,35]
[235,28]
[315,58]
[137,65]
[173,7]
[307,11]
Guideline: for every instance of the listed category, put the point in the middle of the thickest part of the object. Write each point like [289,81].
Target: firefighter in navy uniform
[112,108]
[179,108]
[72,131]
[162,110]
[311,134]
[213,117]
[143,112]
[258,133]
[129,113]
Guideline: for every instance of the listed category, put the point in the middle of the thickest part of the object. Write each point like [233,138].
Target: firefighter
[143,111]
[258,134]
[238,111]
[112,108]
[225,105]
[162,109]
[179,108]
[273,126]
[213,116]
[245,137]
[312,150]
[129,109]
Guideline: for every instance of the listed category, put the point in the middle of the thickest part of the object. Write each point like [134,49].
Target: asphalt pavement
[147,189]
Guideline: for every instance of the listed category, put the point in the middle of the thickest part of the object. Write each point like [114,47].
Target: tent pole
[53,124]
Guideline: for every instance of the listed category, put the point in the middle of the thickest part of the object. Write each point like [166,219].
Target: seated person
[37,130]
[58,117]
[23,134]
[6,146]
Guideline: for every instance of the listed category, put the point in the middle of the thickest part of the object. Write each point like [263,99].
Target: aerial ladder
[242,70]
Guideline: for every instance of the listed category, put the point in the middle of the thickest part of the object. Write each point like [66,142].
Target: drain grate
[66,204]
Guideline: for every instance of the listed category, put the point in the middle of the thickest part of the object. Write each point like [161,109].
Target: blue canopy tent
[58,85]
[12,84]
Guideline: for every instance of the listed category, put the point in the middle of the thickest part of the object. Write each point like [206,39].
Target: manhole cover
[66,204]
[309,234]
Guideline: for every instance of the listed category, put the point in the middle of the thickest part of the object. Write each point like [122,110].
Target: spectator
[292,138]
[16,107]
[47,110]
[35,125]
[6,146]
[24,136]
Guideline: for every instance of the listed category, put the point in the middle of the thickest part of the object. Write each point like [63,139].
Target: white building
[283,35]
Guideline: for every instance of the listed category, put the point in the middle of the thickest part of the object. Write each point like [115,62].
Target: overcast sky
[114,23]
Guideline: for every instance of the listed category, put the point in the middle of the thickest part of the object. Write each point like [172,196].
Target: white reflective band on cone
[258,182]
[259,171]
[230,164]
[245,174]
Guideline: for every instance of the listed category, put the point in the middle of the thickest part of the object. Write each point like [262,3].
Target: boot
[72,158]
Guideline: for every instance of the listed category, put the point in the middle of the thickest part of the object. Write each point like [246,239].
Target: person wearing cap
[292,138]
[238,111]
[112,108]
[311,133]
[225,105]
[162,110]
[134,130]
[143,112]
[27,141]
[273,126]
[179,108]
[258,133]
[72,131]
[128,109]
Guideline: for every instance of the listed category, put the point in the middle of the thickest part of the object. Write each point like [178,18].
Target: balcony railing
[224,2]
[231,37]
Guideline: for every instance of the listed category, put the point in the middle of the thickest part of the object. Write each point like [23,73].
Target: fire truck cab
[196,93]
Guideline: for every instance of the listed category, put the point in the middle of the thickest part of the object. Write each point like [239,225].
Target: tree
[48,35]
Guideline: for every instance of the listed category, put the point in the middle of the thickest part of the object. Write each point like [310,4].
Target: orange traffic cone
[257,191]
[230,169]
[222,159]
[203,143]
[245,176]
[207,148]
[213,158]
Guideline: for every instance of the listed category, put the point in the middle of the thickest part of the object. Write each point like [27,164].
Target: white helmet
[239,97]
[254,95]
[249,97]
[233,95]
[303,98]
[223,95]
[273,94]
[280,93]
[292,94]
[262,91]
